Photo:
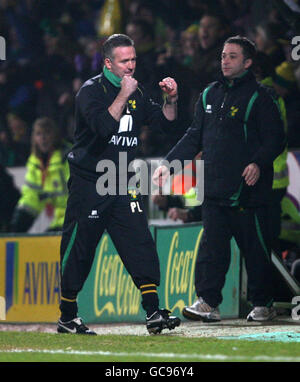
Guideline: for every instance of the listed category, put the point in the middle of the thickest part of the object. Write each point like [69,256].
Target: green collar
[115,80]
[243,74]
[231,82]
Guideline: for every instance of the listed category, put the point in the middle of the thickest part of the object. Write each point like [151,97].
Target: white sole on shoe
[195,316]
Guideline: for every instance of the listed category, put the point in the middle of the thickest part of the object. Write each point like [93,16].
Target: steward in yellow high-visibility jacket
[280,177]
[45,180]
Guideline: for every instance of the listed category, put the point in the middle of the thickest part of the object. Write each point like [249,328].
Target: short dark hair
[115,41]
[248,46]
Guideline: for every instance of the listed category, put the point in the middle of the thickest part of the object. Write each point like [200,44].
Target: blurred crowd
[53,46]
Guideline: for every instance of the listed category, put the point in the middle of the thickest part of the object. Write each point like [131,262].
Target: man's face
[44,139]
[233,61]
[123,62]
[209,31]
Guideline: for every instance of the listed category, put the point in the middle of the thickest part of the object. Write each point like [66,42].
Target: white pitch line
[217,357]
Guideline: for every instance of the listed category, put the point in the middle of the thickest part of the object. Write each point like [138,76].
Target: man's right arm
[128,86]
[190,144]
[102,119]
[187,147]
[92,106]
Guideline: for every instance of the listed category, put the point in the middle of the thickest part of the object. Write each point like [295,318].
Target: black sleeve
[154,116]
[190,144]
[271,131]
[195,214]
[92,106]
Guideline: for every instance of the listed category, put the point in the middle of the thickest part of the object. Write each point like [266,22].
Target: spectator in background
[17,93]
[87,59]
[157,17]
[16,139]
[51,49]
[18,127]
[285,84]
[142,33]
[238,12]
[197,62]
[213,31]
[45,180]
[290,12]
[188,46]
[9,198]
[13,151]
[267,35]
[54,75]
[265,74]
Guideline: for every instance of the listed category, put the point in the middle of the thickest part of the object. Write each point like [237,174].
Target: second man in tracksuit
[238,128]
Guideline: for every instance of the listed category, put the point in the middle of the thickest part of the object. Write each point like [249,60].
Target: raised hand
[169,86]
[128,85]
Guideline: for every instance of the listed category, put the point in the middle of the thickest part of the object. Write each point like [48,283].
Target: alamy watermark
[296,309]
[137,174]
[295,53]
[2,48]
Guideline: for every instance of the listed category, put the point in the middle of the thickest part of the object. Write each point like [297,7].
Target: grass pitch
[52,347]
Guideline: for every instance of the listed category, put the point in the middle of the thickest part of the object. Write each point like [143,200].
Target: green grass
[47,347]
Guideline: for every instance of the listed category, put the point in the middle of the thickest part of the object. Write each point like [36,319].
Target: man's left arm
[169,87]
[271,131]
[162,119]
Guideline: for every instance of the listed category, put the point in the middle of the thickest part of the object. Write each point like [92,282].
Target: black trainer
[75,326]
[160,320]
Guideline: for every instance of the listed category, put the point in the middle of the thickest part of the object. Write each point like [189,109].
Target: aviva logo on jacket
[31,278]
[125,126]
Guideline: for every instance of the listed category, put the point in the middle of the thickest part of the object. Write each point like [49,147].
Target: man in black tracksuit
[238,127]
[110,110]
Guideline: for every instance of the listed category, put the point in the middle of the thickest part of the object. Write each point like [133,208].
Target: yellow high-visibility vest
[281,176]
[46,185]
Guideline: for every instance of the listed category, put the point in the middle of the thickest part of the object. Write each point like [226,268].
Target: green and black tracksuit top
[234,125]
[98,136]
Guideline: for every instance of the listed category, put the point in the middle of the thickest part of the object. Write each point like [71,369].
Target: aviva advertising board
[29,283]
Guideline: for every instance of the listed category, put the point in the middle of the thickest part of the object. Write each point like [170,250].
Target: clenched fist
[169,86]
[128,85]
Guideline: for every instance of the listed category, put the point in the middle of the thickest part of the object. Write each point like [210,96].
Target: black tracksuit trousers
[249,227]
[87,216]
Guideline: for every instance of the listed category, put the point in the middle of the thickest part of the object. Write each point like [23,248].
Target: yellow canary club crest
[233,111]
[133,194]
[132,104]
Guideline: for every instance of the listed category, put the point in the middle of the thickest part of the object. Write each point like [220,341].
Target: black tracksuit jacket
[96,135]
[229,143]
